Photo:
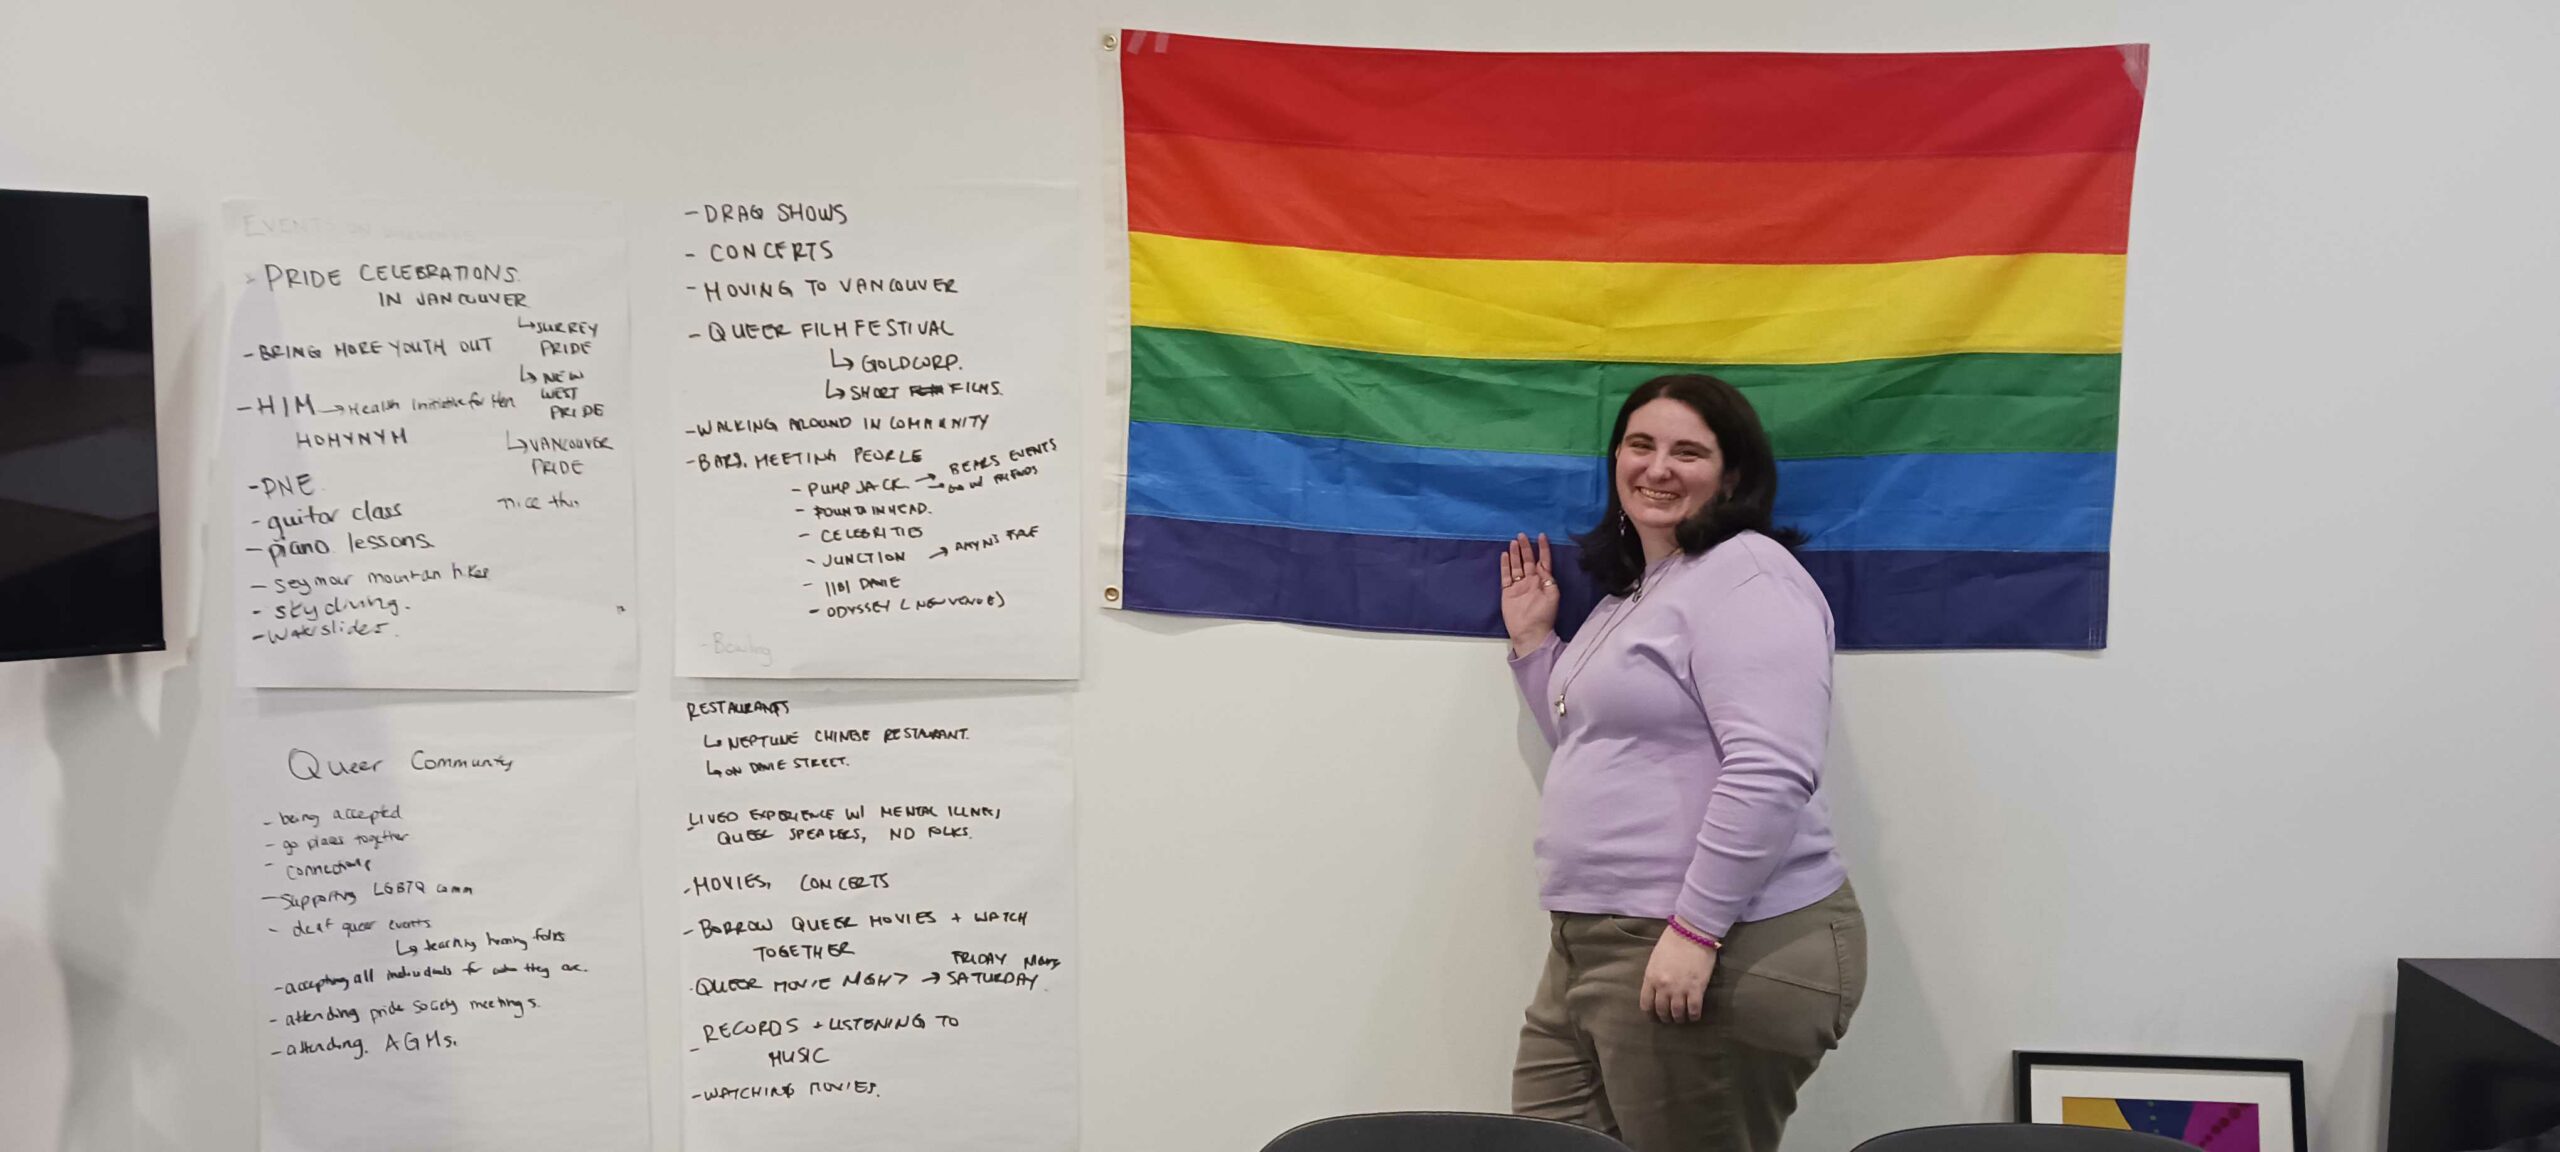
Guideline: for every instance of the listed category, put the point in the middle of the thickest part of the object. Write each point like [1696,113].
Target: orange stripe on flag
[1675,211]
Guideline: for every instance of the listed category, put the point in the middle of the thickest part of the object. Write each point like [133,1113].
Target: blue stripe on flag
[2012,502]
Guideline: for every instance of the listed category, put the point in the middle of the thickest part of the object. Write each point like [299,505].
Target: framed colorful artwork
[2220,1105]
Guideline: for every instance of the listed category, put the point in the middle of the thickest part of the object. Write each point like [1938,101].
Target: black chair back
[1440,1132]
[2022,1138]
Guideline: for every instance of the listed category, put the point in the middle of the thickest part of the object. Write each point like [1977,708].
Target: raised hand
[1529,595]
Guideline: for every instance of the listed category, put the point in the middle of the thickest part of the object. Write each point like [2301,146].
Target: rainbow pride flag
[1384,305]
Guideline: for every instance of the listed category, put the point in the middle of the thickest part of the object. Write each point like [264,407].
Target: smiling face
[1668,466]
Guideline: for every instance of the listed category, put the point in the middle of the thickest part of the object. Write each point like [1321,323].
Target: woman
[1706,947]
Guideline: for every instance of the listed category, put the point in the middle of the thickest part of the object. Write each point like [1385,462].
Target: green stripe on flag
[1972,402]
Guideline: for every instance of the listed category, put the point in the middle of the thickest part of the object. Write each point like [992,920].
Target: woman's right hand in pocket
[1529,594]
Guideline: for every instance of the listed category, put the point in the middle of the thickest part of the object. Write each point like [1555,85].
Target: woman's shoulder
[1745,556]
[1753,561]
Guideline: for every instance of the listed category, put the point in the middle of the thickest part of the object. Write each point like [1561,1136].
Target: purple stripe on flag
[1881,600]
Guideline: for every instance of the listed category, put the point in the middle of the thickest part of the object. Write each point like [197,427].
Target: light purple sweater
[1688,761]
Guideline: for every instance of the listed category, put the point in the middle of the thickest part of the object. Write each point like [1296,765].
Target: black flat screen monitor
[2475,1056]
[79,458]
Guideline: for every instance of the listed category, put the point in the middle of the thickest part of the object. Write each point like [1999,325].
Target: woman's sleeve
[1532,672]
[1761,662]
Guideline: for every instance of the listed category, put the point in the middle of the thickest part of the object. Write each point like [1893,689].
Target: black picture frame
[2026,1062]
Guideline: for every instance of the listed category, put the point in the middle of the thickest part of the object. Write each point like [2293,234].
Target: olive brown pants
[1782,994]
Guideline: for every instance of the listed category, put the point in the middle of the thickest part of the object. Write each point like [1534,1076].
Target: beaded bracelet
[1694,936]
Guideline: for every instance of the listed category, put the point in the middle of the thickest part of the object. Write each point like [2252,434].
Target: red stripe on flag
[1659,105]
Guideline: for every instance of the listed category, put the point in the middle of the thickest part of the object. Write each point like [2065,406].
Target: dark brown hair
[1613,555]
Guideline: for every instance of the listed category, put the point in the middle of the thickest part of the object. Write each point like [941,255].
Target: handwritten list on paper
[876,923]
[438,903]
[425,414]
[874,417]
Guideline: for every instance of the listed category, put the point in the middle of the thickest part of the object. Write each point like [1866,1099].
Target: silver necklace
[1625,610]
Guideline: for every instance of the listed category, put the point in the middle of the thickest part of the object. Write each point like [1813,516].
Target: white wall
[2321,741]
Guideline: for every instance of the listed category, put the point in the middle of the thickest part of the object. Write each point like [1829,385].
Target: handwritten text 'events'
[428,449]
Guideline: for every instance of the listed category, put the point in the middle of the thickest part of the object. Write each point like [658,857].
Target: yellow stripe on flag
[1677,313]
